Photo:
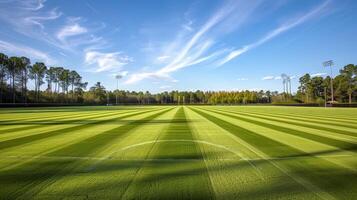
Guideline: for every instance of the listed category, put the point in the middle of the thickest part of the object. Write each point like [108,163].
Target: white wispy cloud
[164,73]
[31,17]
[318,74]
[70,30]
[94,10]
[165,87]
[162,58]
[121,74]
[39,20]
[188,23]
[113,61]
[195,49]
[268,78]
[313,13]
[25,16]
[34,5]
[242,79]
[76,37]
[21,50]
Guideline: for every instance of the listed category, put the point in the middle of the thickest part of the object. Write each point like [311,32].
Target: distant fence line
[352,105]
[15,105]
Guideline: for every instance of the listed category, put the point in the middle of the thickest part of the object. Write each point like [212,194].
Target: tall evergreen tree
[3,67]
[24,67]
[37,72]
[13,68]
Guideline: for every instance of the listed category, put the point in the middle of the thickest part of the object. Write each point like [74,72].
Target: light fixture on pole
[330,63]
[118,76]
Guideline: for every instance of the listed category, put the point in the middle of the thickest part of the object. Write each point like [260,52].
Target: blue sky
[183,45]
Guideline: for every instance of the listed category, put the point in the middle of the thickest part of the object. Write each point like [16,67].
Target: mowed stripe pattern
[178,152]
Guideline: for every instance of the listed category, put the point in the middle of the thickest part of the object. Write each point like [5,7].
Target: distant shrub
[320,101]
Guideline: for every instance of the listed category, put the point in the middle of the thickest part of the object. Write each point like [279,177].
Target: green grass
[178,152]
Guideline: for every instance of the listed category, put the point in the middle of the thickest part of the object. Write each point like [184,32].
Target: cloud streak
[70,30]
[113,61]
[21,50]
[318,74]
[30,18]
[265,78]
[24,16]
[274,33]
[195,49]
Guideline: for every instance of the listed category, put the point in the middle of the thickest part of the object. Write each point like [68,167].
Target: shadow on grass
[29,125]
[165,177]
[44,174]
[47,134]
[165,173]
[89,120]
[317,138]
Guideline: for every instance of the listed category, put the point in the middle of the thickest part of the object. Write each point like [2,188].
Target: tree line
[67,86]
[63,85]
[186,97]
[318,89]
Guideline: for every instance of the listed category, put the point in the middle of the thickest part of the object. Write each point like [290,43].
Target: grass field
[178,152]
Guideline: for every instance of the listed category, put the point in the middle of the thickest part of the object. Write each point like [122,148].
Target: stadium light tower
[289,84]
[118,76]
[285,82]
[107,91]
[330,63]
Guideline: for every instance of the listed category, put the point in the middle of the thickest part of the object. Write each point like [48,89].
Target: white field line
[305,183]
[345,166]
[271,115]
[328,134]
[315,116]
[148,153]
[109,156]
[178,140]
[43,153]
[195,134]
[93,166]
[256,170]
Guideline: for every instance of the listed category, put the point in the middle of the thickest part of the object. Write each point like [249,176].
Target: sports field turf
[178,152]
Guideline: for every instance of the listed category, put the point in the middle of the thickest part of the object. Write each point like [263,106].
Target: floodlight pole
[330,63]
[118,76]
[116,93]
[325,97]
[331,84]
[107,98]
[283,85]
